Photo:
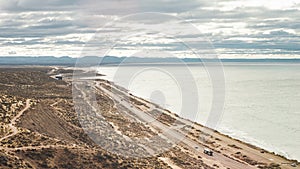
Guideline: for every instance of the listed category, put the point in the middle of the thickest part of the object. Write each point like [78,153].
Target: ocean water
[261,105]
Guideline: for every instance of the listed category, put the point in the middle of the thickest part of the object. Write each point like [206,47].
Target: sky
[154,28]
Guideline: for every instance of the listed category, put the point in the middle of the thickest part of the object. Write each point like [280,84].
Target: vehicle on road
[208,152]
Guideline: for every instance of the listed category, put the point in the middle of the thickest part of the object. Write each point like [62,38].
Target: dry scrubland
[40,129]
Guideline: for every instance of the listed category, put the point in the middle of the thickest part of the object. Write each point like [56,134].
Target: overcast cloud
[232,28]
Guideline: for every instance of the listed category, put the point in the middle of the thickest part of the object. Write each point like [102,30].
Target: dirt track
[12,124]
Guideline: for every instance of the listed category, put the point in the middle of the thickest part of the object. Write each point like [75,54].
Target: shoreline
[257,143]
[226,146]
[265,138]
[232,148]
[224,134]
[244,140]
[249,143]
[215,132]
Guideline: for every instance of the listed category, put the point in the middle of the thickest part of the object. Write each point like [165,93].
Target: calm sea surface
[261,106]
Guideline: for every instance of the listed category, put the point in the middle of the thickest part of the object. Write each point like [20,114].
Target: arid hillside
[47,134]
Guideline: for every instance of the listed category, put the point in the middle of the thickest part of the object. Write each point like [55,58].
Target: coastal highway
[173,135]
